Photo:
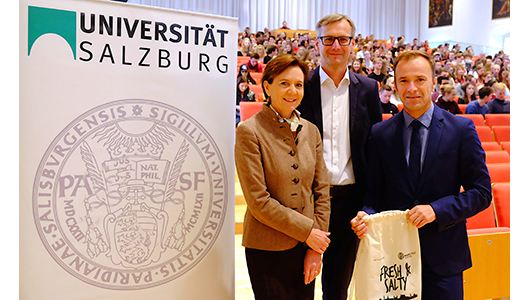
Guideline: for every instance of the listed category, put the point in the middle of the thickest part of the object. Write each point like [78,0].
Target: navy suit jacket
[365,111]
[454,158]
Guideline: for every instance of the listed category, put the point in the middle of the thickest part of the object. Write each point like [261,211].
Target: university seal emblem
[130,195]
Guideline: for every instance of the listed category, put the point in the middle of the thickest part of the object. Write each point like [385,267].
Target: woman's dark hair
[465,97]
[242,79]
[278,65]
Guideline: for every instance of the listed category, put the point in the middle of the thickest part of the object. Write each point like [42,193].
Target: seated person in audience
[367,60]
[478,72]
[245,48]
[480,106]
[378,73]
[495,71]
[488,80]
[389,56]
[459,88]
[437,66]
[498,105]
[441,80]
[356,67]
[506,81]
[469,95]
[243,91]
[253,64]
[447,99]
[282,50]
[360,53]
[243,72]
[313,51]
[394,99]
[386,106]
[243,94]
[272,51]
[445,72]
[459,73]
[260,50]
[294,44]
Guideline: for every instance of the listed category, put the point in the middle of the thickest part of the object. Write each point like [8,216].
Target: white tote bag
[388,263]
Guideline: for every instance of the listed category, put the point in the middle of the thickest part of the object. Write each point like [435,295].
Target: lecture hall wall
[472,24]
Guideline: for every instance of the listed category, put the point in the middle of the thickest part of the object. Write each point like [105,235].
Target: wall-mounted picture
[440,13]
[501,9]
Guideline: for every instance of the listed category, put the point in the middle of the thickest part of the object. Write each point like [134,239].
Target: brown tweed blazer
[285,185]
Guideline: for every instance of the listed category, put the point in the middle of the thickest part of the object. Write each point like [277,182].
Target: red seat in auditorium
[484,134]
[248,109]
[497,157]
[491,146]
[501,133]
[506,146]
[499,172]
[478,119]
[484,219]
[498,120]
[501,196]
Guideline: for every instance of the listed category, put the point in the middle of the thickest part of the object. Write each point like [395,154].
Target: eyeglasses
[329,40]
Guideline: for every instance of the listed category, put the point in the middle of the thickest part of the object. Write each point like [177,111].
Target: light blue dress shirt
[425,120]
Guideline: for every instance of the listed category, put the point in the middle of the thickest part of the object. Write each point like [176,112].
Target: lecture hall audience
[463,71]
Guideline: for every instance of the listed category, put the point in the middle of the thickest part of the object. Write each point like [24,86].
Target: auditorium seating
[256,88]
[506,146]
[498,120]
[257,77]
[387,116]
[491,146]
[484,219]
[485,134]
[501,133]
[243,59]
[499,172]
[462,107]
[260,97]
[478,119]
[248,109]
[489,278]
[501,195]
[497,157]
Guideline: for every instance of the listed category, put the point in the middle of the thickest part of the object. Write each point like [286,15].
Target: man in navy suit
[418,160]
[344,106]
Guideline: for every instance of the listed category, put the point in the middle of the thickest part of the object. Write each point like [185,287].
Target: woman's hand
[358,226]
[312,265]
[318,240]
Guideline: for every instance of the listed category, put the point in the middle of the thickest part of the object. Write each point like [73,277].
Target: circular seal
[130,195]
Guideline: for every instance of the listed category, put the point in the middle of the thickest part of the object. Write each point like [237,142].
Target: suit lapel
[316,99]
[399,146]
[354,93]
[435,135]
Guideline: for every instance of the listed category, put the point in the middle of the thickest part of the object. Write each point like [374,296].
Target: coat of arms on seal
[130,195]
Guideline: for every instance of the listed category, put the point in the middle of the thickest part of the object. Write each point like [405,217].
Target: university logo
[130,195]
[42,21]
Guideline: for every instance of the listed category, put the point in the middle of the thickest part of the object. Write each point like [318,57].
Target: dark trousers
[339,258]
[279,275]
[437,287]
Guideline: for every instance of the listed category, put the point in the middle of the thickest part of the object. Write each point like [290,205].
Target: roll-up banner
[127,129]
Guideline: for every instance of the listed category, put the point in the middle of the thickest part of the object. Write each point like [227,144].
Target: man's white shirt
[336,127]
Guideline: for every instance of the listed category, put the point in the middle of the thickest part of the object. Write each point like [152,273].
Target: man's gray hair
[332,19]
